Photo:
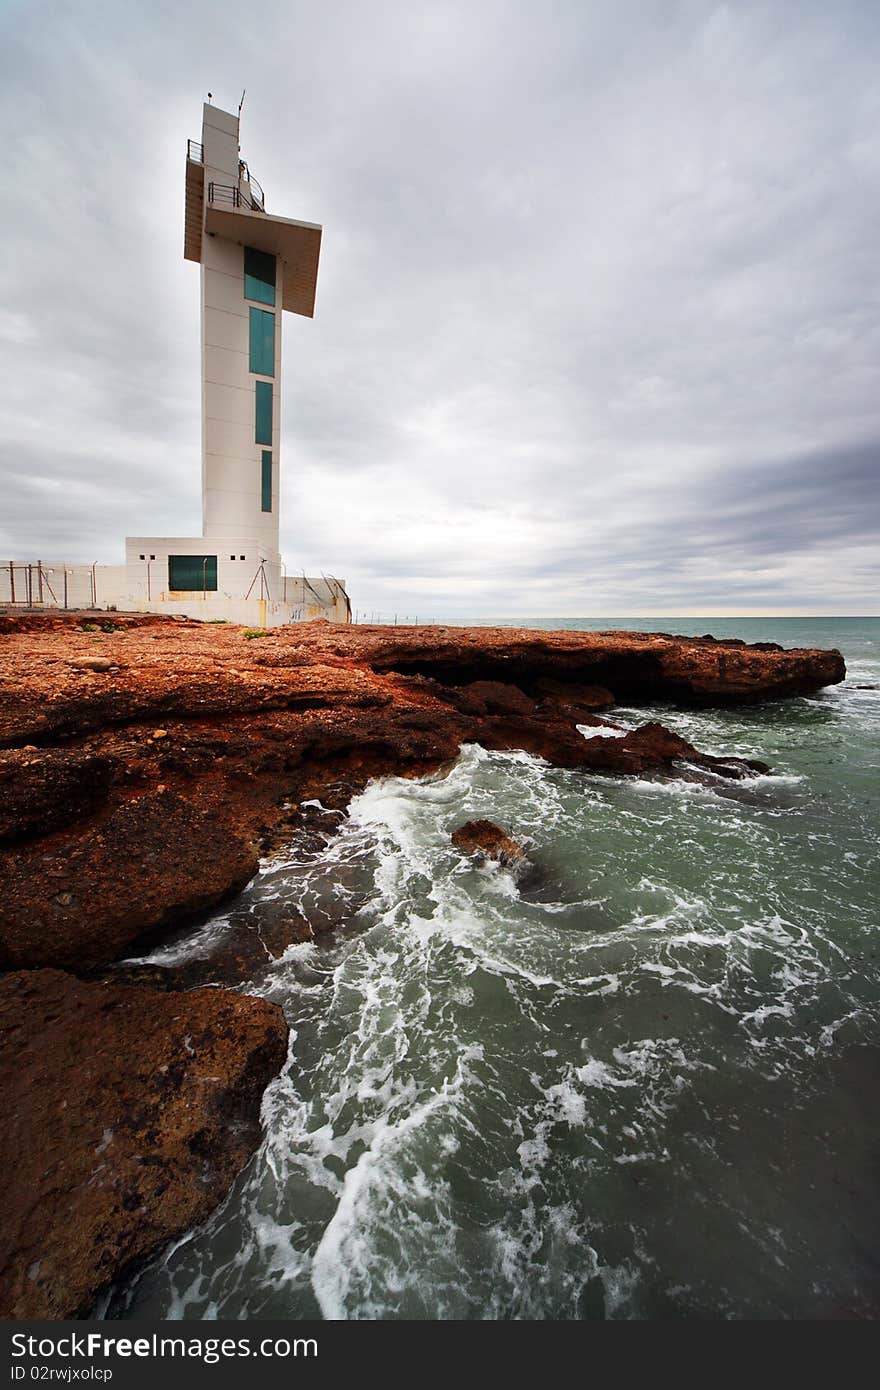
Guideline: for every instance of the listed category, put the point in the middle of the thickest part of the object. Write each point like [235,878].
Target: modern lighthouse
[255,266]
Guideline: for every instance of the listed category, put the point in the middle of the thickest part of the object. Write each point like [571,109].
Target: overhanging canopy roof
[298,244]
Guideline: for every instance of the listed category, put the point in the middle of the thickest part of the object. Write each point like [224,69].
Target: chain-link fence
[33,584]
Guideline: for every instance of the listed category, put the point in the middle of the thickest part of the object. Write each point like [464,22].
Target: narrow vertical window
[266,481]
[259,275]
[262,342]
[263,429]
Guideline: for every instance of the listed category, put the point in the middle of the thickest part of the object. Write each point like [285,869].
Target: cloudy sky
[598,316]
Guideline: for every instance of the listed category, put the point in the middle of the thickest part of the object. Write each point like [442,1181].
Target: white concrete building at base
[254,267]
[57,584]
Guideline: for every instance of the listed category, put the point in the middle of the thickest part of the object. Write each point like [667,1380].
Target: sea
[642,1083]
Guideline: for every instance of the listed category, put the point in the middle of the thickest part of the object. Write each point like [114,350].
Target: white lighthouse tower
[254,267]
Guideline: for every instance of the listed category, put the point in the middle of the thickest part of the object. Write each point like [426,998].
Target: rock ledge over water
[141,792]
[144,766]
[127,1114]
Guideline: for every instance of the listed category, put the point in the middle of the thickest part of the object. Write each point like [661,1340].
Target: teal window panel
[192,572]
[259,275]
[266,481]
[263,430]
[262,342]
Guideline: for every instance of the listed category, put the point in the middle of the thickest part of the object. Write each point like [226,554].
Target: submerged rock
[737,768]
[488,841]
[128,1112]
[652,747]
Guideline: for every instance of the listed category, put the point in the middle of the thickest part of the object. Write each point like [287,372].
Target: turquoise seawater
[645,1086]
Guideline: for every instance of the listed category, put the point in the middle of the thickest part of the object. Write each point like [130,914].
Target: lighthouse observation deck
[237,212]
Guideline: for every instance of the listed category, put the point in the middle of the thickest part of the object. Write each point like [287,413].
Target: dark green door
[192,572]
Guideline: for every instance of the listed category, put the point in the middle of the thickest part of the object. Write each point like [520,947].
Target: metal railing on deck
[195,151]
[229,194]
[257,194]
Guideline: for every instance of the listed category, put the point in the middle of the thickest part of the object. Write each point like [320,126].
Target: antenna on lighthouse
[241,103]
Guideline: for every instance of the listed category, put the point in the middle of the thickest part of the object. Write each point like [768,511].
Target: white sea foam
[602,731]
[471,1066]
[192,945]
[342,1262]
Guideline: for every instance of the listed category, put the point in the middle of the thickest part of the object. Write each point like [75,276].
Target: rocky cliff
[144,766]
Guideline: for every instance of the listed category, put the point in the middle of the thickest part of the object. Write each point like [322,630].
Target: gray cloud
[597,324]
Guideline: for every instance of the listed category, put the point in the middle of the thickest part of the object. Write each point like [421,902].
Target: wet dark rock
[653,747]
[134,972]
[736,768]
[245,951]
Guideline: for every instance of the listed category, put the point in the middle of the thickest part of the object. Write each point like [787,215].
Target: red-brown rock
[488,841]
[44,789]
[120,829]
[585,697]
[78,900]
[127,1113]
[148,763]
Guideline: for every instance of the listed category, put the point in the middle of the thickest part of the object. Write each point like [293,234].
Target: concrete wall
[209,607]
[253,612]
[54,584]
[124,588]
[254,578]
[231,458]
[220,144]
[317,598]
[242,566]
